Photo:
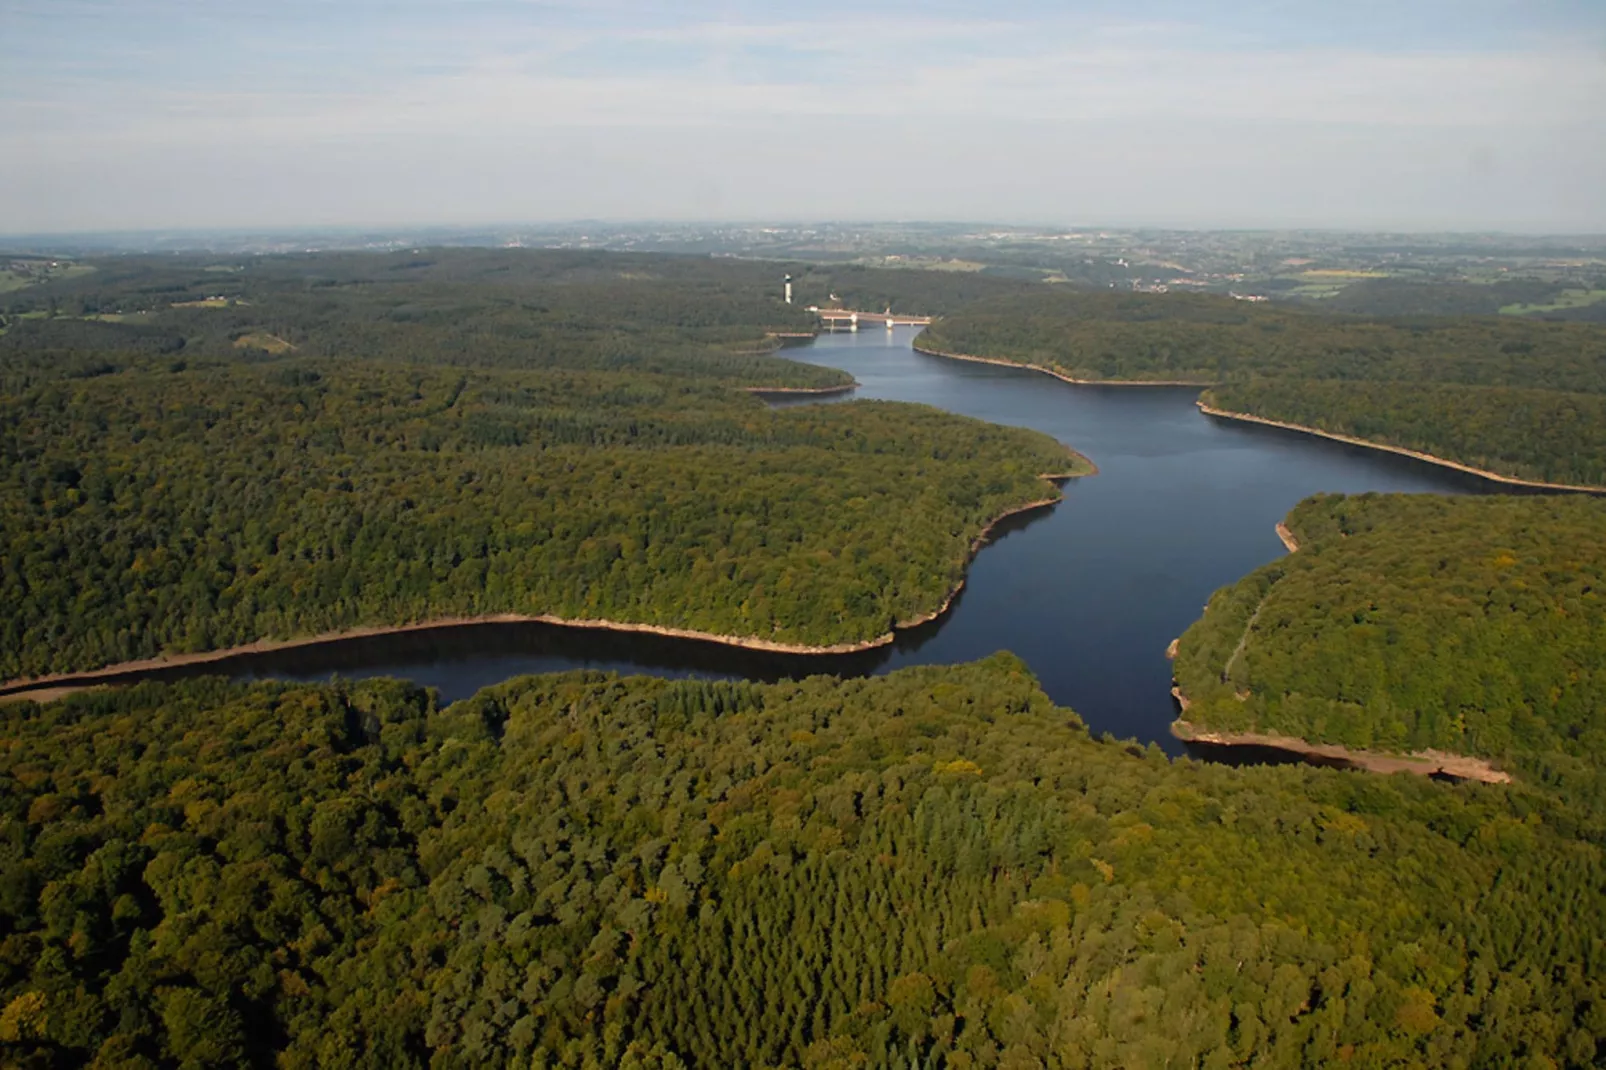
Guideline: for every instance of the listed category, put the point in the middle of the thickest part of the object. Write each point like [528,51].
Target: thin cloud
[1478,90]
[577,101]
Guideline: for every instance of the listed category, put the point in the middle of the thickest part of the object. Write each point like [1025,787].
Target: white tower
[789,289]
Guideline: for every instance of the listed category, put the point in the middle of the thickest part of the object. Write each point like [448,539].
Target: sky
[1369,114]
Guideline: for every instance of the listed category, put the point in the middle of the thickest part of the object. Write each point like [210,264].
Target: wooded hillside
[195,455]
[1518,397]
[150,512]
[1470,625]
[934,868]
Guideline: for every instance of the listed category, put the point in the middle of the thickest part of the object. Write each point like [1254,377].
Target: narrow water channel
[1089,594]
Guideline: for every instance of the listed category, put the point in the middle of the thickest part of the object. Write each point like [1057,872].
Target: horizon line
[1596,231]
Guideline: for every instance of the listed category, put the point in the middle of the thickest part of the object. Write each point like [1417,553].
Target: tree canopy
[197,455]
[936,867]
[1470,625]
[1518,397]
[154,511]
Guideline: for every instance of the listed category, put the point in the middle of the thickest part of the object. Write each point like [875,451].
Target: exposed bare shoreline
[1226,414]
[1061,376]
[46,688]
[1210,410]
[1422,763]
[842,388]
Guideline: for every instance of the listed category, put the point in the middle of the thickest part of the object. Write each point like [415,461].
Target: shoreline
[976,545]
[821,390]
[1420,763]
[1227,414]
[61,683]
[775,341]
[56,685]
[1061,376]
[1351,440]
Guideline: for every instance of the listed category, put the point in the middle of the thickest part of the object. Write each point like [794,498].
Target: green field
[119,317]
[1564,300]
[1319,289]
[18,280]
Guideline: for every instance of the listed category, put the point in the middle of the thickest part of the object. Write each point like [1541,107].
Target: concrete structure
[847,319]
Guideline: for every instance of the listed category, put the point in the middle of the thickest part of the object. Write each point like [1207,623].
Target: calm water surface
[1089,593]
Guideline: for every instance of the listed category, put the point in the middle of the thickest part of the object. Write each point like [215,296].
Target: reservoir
[1089,593]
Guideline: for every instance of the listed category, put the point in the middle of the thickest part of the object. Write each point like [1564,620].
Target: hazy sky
[126,114]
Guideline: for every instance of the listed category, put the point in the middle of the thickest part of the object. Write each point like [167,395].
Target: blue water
[1089,593]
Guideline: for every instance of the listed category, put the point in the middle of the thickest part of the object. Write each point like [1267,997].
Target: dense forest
[1533,297]
[1399,297]
[150,512]
[934,868]
[467,308]
[516,308]
[1092,335]
[1547,436]
[198,455]
[1471,625]
[1519,397]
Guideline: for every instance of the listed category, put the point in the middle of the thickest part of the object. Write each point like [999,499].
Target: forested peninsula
[1472,626]
[936,867]
[1519,398]
[437,449]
